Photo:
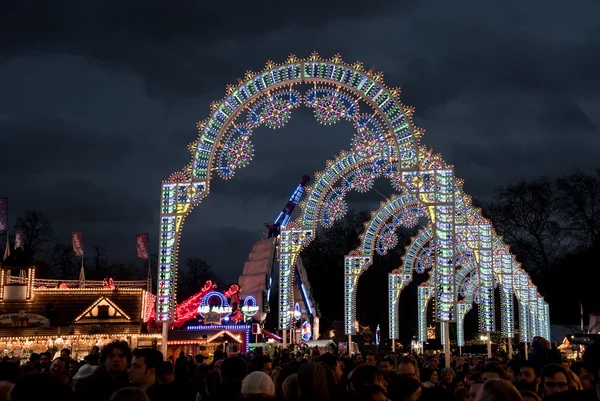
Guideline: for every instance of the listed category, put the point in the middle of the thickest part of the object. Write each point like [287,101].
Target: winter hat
[258,383]
[84,372]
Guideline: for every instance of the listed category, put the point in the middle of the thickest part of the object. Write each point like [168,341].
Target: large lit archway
[383,141]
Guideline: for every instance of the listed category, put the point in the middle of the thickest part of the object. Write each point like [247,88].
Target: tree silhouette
[37,231]
[192,276]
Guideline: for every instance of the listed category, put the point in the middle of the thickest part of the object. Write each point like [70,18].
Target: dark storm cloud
[171,44]
[98,101]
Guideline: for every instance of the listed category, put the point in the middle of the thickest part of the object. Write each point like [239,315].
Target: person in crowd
[408,367]
[181,368]
[289,388]
[371,359]
[45,361]
[404,389]
[233,372]
[494,370]
[312,382]
[83,373]
[475,389]
[527,378]
[370,393]
[553,380]
[263,363]
[574,383]
[145,365]
[171,387]
[334,363]
[110,376]
[591,359]
[461,394]
[286,371]
[34,360]
[91,359]
[581,371]
[530,396]
[9,373]
[542,354]
[65,353]
[433,363]
[257,386]
[448,379]
[498,389]
[37,386]
[59,365]
[367,375]
[429,377]
[387,364]
[129,394]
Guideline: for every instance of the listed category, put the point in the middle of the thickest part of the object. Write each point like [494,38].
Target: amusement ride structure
[257,277]
[459,249]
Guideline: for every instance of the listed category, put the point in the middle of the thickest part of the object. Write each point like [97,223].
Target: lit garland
[329,110]
[335,208]
[425,260]
[367,143]
[239,152]
[276,114]
[363,181]
[387,240]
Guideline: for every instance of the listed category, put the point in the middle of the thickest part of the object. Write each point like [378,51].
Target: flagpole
[581,306]
[149,278]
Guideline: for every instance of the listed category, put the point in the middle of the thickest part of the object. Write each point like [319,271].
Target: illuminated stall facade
[37,315]
[211,320]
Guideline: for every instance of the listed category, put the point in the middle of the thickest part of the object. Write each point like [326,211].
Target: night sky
[98,100]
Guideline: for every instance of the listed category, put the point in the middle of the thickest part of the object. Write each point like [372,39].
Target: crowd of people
[117,373]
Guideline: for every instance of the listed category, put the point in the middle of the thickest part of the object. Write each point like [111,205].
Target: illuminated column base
[165,338]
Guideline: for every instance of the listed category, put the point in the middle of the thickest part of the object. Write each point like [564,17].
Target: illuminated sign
[249,307]
[297,312]
[221,310]
[214,302]
[306,331]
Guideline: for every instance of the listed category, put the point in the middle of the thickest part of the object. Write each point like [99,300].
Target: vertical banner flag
[3,214]
[78,242]
[142,245]
[20,240]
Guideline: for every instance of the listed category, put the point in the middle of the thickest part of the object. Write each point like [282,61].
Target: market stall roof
[75,311]
[319,343]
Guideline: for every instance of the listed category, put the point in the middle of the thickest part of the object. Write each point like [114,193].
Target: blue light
[306,298]
[220,327]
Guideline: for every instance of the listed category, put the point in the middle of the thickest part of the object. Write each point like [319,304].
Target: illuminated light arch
[508,273]
[401,210]
[385,142]
[336,91]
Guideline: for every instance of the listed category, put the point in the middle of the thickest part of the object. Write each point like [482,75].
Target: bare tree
[578,200]
[194,274]
[99,259]
[37,231]
[527,216]
[62,261]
